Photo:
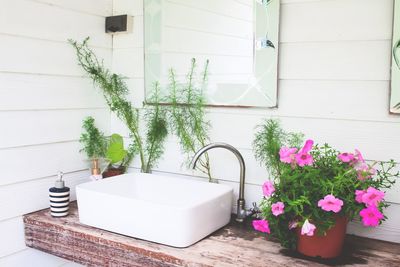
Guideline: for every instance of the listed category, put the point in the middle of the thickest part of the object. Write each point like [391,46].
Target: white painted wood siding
[334,74]
[43,99]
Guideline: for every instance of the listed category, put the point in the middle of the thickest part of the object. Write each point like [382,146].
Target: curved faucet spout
[241,211]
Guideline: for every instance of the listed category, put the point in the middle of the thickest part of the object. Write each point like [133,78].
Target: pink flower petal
[277,208]
[330,203]
[268,188]
[308,228]
[262,226]
[371,216]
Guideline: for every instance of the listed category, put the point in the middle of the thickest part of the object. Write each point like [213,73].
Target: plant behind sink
[116,154]
[94,144]
[186,112]
[316,190]
[149,147]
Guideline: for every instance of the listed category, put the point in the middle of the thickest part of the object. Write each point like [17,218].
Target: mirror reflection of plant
[187,114]
[115,92]
[93,140]
[156,128]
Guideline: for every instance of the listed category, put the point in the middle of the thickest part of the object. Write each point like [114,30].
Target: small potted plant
[94,144]
[316,190]
[116,156]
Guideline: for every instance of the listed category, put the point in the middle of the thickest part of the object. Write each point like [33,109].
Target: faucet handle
[255,210]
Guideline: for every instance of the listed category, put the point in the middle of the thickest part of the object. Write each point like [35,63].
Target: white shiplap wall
[43,99]
[334,76]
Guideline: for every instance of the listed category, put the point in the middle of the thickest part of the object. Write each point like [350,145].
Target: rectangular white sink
[166,210]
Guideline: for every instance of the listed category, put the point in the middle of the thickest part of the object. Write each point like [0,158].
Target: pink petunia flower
[287,154]
[262,226]
[364,171]
[346,157]
[358,157]
[372,196]
[303,158]
[277,208]
[359,194]
[371,216]
[268,188]
[308,228]
[307,146]
[330,203]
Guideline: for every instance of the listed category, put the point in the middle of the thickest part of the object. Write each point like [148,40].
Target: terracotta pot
[113,172]
[327,246]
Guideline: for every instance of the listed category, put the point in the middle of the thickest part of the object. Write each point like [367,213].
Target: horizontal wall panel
[26,55]
[310,21]
[358,60]
[35,92]
[350,100]
[128,62]
[51,23]
[238,129]
[131,40]
[130,7]
[33,162]
[12,237]
[95,7]
[28,256]
[22,198]
[37,127]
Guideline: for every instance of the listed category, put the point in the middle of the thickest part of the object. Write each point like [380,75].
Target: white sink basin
[171,211]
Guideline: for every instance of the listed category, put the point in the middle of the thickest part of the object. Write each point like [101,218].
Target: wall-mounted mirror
[238,37]
[395,81]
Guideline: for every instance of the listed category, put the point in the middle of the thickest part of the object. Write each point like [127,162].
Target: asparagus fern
[187,114]
[115,92]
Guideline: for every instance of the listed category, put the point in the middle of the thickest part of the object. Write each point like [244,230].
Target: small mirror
[240,38]
[395,81]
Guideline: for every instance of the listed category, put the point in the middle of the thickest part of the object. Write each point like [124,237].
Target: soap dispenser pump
[59,198]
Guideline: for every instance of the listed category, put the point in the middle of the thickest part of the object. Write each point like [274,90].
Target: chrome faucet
[241,211]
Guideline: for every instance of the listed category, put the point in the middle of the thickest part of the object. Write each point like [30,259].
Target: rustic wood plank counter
[234,245]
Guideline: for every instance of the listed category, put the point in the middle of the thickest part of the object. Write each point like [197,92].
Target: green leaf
[116,152]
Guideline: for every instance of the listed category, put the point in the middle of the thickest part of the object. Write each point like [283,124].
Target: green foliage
[187,114]
[268,140]
[157,128]
[300,188]
[115,92]
[115,152]
[93,140]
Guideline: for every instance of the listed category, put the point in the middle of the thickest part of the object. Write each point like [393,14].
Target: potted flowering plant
[316,190]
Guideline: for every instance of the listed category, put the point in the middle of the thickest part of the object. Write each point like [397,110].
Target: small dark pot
[327,246]
[113,172]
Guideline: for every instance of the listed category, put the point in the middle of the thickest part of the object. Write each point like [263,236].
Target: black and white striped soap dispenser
[59,198]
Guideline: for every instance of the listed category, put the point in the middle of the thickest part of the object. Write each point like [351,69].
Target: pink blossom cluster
[371,197]
[302,158]
[364,171]
[371,216]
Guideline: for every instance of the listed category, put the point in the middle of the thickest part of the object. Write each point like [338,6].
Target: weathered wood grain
[234,245]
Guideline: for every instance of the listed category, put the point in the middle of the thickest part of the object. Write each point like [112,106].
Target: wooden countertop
[234,245]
